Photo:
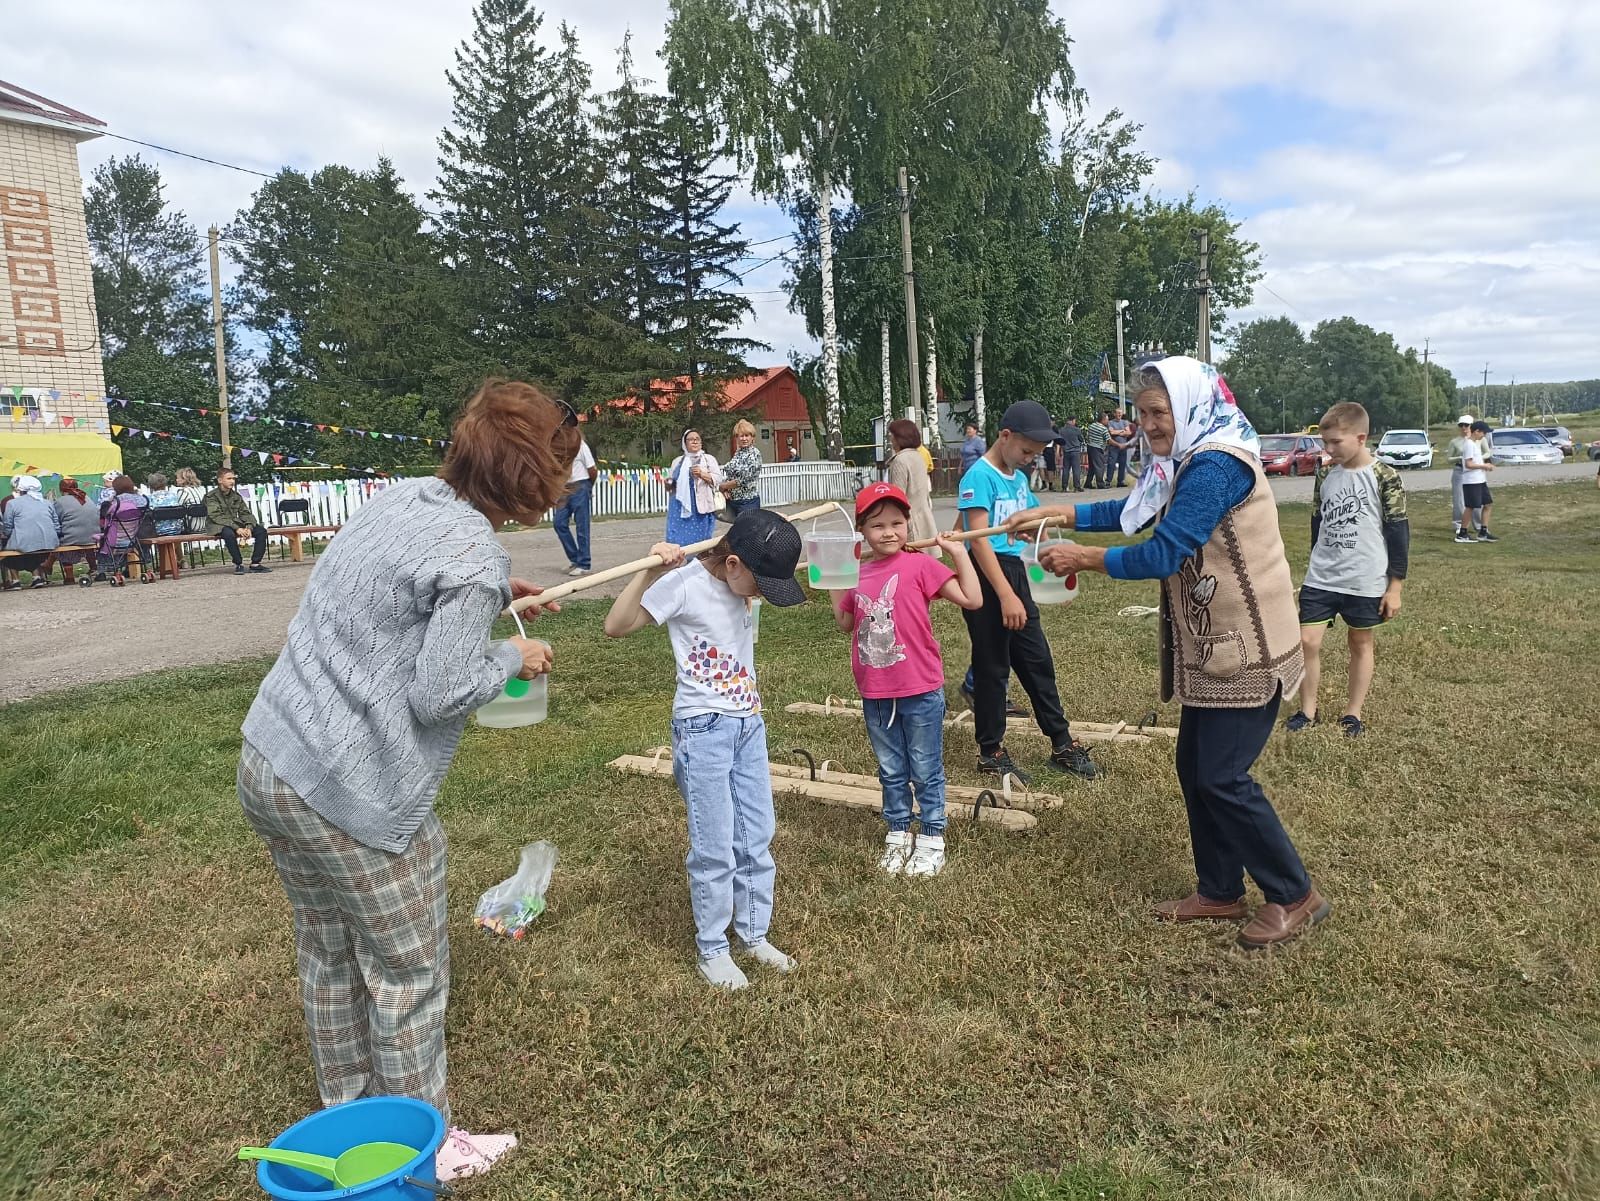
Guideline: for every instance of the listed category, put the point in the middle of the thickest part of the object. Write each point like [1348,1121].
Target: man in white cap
[1456,452]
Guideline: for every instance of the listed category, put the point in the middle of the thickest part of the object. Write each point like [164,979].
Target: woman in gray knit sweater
[356,724]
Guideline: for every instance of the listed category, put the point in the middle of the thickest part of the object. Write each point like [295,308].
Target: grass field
[1014,1029]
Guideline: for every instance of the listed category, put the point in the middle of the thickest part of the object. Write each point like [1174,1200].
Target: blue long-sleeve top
[1212,485]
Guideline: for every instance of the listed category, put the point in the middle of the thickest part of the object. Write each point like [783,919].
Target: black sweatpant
[1232,825]
[258,544]
[997,652]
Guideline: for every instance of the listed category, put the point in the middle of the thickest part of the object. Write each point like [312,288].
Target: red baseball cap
[875,494]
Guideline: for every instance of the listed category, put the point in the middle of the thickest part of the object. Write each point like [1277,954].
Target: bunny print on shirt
[875,637]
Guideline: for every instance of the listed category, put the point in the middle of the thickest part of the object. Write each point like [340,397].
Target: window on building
[766,435]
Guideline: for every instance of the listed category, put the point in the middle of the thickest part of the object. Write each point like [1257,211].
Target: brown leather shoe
[1197,908]
[1274,923]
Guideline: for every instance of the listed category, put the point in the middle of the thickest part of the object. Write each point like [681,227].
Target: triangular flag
[146,434]
[66,421]
[293,460]
[16,390]
[203,413]
[262,455]
[334,428]
[116,429]
[227,448]
[277,458]
[18,413]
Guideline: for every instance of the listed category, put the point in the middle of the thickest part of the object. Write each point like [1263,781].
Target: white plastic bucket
[521,702]
[833,556]
[1046,587]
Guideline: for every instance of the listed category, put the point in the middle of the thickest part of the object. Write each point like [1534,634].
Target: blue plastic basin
[335,1130]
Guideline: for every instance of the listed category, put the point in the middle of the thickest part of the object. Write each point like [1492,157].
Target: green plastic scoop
[356,1166]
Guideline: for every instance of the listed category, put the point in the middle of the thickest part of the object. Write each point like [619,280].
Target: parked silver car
[1522,447]
[1405,448]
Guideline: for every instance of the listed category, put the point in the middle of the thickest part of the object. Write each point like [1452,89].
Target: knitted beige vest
[1230,636]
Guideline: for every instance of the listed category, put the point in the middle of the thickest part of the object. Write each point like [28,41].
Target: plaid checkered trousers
[370,937]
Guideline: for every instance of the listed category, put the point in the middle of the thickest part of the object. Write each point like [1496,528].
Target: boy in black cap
[719,740]
[1005,633]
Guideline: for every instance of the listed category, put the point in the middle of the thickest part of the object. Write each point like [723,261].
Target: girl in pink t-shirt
[895,658]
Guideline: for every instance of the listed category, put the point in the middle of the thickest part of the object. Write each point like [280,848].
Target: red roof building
[769,398]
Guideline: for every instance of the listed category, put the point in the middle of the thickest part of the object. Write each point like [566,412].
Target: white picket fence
[618,491]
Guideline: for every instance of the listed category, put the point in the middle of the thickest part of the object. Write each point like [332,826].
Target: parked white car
[1522,447]
[1405,448]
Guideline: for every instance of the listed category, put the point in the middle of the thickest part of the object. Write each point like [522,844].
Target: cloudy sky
[1431,167]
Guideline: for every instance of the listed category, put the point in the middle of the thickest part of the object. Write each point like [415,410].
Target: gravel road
[58,637]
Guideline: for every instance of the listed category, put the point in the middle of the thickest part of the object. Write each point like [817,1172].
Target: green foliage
[1285,380]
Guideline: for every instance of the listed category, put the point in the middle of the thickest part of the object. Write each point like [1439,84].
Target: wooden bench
[169,560]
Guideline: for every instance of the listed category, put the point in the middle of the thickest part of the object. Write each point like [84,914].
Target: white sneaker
[575,572]
[928,858]
[896,850]
[464,1154]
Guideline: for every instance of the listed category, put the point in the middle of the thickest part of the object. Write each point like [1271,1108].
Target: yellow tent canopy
[65,453]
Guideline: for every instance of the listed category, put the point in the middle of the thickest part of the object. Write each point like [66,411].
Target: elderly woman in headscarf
[694,478]
[32,527]
[1230,643]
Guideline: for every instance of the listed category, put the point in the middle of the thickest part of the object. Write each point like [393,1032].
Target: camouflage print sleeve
[1391,493]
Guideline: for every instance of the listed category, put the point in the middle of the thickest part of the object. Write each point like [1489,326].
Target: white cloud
[1427,167]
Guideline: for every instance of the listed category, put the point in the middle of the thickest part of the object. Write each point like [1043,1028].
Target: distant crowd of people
[101,535]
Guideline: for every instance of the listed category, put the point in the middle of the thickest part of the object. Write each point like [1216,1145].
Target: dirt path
[58,637]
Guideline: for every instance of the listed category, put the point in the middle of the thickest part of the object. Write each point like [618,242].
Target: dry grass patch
[1015,1028]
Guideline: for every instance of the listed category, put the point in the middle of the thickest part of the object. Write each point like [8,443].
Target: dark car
[1290,454]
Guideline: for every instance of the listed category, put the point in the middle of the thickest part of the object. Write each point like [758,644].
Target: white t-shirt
[581,464]
[713,642]
[1474,452]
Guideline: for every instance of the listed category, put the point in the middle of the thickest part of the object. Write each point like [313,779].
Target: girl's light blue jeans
[907,735]
[720,764]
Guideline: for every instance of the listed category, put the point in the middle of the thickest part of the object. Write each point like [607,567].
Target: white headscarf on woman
[684,488]
[24,484]
[1204,413]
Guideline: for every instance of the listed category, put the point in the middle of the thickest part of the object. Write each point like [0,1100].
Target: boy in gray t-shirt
[1360,544]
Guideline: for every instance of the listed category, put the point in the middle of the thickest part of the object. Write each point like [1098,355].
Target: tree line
[581,240]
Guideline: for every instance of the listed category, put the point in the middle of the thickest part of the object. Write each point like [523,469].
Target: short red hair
[511,451]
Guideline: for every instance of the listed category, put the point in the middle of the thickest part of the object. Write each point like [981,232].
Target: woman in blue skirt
[694,478]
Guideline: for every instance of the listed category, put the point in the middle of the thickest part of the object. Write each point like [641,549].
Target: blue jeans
[575,505]
[720,764]
[736,507]
[907,735]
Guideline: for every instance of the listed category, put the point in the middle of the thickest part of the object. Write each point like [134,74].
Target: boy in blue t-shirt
[1006,635]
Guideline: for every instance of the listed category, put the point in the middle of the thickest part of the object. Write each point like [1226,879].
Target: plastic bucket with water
[521,702]
[335,1130]
[1046,587]
[833,556]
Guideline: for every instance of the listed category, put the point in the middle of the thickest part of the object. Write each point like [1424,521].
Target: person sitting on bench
[229,518]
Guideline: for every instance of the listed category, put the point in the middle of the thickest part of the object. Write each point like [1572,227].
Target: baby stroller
[122,529]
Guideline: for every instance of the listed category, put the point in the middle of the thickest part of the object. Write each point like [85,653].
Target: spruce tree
[699,254]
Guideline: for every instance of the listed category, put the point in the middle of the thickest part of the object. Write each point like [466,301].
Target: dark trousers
[1097,467]
[575,507]
[258,544]
[997,652]
[1072,464]
[1232,825]
[1117,460]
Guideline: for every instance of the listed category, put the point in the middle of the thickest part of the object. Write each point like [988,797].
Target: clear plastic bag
[512,905]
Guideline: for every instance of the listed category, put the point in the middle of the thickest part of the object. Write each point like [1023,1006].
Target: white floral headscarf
[1204,413]
[24,484]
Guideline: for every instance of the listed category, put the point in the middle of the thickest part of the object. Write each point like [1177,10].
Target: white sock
[721,971]
[769,956]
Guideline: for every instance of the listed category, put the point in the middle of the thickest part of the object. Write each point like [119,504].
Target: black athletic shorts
[1475,496]
[1319,607]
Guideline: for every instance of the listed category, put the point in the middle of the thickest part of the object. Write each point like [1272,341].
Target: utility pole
[1122,365]
[913,359]
[1513,402]
[1203,341]
[222,359]
[1484,396]
[1425,385]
